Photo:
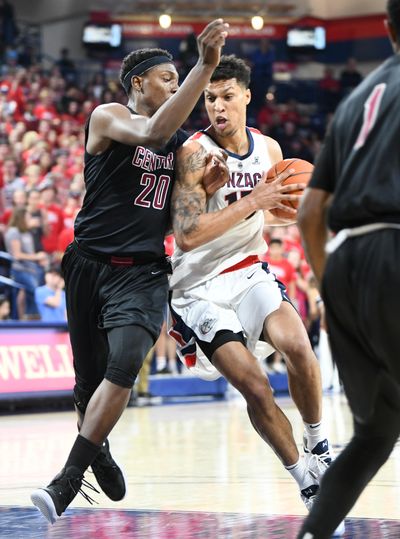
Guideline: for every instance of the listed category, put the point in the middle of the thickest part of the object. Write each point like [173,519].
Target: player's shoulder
[110,108]
[255,132]
[196,141]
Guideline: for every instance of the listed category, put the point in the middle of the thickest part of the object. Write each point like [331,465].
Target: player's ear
[136,82]
[248,96]
[392,34]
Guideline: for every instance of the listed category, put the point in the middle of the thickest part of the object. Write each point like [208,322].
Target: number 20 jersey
[242,240]
[126,208]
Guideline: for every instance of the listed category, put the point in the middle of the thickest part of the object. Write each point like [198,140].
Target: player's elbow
[158,136]
[155,140]
[185,242]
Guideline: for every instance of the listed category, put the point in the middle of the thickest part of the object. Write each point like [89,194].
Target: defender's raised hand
[210,42]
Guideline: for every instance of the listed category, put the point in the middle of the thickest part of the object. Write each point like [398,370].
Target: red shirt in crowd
[55,221]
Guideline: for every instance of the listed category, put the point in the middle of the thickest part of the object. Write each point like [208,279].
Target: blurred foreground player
[116,272]
[355,191]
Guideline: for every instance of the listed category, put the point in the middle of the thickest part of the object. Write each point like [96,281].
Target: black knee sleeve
[128,346]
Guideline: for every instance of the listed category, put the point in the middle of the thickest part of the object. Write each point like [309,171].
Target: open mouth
[221,122]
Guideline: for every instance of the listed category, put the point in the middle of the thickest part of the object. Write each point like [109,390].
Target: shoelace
[319,462]
[84,494]
[326,457]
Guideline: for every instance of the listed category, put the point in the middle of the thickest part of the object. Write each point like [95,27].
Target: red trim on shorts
[177,336]
[190,360]
[249,261]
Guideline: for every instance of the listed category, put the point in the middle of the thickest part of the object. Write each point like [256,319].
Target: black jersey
[126,208]
[360,160]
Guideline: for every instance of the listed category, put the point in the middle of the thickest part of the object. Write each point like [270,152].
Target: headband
[142,67]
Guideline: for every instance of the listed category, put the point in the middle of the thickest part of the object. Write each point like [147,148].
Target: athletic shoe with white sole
[53,500]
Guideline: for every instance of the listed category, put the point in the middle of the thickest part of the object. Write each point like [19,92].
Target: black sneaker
[108,474]
[53,500]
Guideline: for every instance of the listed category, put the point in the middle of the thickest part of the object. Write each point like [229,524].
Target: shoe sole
[43,501]
[340,530]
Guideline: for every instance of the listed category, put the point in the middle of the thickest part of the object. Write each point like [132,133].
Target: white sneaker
[318,460]
[308,495]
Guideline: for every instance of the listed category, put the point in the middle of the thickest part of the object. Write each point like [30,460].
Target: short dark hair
[393,10]
[135,57]
[232,67]
[275,241]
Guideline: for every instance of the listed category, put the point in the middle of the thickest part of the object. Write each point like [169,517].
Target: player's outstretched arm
[192,226]
[115,122]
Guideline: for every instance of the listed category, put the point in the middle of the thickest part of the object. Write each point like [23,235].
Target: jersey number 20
[154,193]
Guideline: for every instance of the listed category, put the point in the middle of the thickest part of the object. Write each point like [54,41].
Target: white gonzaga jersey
[245,238]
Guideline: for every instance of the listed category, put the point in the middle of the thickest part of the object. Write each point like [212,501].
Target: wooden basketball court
[194,470]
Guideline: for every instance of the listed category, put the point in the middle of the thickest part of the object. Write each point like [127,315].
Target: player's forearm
[177,108]
[195,228]
[312,222]
[314,234]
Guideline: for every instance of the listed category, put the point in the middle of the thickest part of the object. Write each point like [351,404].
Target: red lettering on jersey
[371,109]
[146,197]
[138,157]
[150,161]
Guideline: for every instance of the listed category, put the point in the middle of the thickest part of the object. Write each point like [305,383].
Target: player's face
[159,84]
[226,103]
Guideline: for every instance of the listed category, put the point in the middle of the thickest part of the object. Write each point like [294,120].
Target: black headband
[140,68]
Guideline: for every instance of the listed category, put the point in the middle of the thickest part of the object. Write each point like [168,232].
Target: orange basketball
[303,171]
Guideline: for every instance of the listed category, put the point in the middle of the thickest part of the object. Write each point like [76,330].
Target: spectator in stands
[27,265]
[5,309]
[36,218]
[32,176]
[301,270]
[350,77]
[66,66]
[143,397]
[18,201]
[165,351]
[11,180]
[54,213]
[71,208]
[262,62]
[8,26]
[329,89]
[50,298]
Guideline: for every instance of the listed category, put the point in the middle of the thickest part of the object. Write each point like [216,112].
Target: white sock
[300,474]
[314,433]
[161,362]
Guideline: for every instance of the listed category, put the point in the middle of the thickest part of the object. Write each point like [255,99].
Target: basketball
[303,171]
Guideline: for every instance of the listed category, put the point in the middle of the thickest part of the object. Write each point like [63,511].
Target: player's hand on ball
[273,194]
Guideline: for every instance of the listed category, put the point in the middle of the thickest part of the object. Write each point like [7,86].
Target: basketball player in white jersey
[223,299]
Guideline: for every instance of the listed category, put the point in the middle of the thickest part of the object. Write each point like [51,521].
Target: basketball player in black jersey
[355,191]
[116,272]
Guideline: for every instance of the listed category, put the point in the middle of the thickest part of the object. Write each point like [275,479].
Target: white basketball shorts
[238,301]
